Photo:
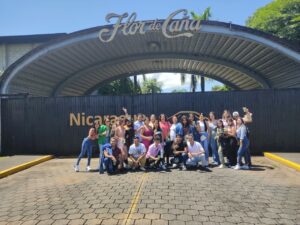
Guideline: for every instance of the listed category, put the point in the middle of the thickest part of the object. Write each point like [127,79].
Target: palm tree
[195,78]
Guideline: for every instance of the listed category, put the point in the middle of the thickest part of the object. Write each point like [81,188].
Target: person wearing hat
[137,153]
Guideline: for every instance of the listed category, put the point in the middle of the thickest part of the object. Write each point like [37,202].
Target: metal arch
[230,84]
[257,77]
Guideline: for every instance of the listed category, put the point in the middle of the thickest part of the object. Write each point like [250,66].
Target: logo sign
[170,28]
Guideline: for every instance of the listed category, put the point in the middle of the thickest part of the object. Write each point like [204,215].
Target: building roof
[34,38]
[77,63]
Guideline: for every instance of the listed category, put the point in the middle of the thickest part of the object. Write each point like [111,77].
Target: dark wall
[42,125]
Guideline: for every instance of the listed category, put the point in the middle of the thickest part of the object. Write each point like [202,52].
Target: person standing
[138,126]
[86,149]
[129,133]
[212,123]
[146,133]
[120,137]
[137,155]
[219,138]
[231,146]
[204,130]
[243,143]
[165,128]
[152,121]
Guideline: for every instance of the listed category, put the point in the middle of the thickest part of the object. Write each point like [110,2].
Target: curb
[12,170]
[281,160]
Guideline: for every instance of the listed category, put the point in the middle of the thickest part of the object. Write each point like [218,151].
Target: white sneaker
[184,168]
[142,168]
[88,169]
[237,167]
[76,168]
[174,165]
[245,167]
[221,166]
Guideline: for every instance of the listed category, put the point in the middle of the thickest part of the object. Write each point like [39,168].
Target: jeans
[242,150]
[214,149]
[83,152]
[204,144]
[248,155]
[181,158]
[191,162]
[109,165]
[101,169]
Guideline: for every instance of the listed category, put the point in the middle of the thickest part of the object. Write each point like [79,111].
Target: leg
[89,155]
[220,151]
[205,146]
[214,149]
[108,165]
[81,155]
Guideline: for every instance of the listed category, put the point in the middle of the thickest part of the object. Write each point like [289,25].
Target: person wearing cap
[154,156]
[137,155]
[86,149]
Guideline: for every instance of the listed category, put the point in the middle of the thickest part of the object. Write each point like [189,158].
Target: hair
[230,120]
[158,126]
[190,135]
[220,121]
[156,138]
[213,113]
[160,116]
[228,113]
[242,120]
[187,121]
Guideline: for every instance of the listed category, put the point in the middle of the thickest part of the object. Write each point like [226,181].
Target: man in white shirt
[138,126]
[195,153]
[137,155]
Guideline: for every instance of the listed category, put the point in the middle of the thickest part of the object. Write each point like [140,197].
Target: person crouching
[113,158]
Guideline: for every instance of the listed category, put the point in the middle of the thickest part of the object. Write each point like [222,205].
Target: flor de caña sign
[170,28]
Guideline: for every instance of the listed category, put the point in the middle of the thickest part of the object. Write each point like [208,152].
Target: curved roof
[77,63]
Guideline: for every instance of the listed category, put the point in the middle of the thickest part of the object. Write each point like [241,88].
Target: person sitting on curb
[137,154]
[86,149]
[154,156]
[113,158]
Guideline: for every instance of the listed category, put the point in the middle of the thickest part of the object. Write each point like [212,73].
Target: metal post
[202,84]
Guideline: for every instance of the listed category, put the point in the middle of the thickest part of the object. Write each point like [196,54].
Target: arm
[109,156]
[126,113]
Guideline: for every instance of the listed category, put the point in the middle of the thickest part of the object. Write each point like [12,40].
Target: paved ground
[294,157]
[52,193]
[12,161]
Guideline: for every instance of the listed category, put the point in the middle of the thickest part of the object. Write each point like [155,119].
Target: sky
[19,17]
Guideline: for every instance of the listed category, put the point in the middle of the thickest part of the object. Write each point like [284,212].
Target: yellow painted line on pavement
[282,160]
[135,200]
[24,166]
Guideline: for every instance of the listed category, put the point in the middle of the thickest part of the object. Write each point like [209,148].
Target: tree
[119,87]
[195,78]
[280,18]
[151,86]
[180,90]
[220,88]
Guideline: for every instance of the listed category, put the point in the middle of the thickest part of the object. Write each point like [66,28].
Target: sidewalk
[16,163]
[288,159]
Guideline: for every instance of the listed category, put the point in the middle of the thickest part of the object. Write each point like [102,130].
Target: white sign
[171,27]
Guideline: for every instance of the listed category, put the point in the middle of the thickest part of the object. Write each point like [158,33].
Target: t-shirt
[137,151]
[101,138]
[179,146]
[153,150]
[173,132]
[115,152]
[137,124]
[195,148]
[165,128]
[241,132]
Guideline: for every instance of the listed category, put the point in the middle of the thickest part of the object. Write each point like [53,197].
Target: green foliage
[151,86]
[119,87]
[220,88]
[204,16]
[280,18]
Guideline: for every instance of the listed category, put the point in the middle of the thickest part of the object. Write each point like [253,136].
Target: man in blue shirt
[86,148]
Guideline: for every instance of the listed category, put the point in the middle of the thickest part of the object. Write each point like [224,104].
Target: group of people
[183,141]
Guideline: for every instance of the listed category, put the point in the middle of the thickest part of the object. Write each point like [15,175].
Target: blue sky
[19,17]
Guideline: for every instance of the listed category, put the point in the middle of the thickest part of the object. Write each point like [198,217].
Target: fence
[57,125]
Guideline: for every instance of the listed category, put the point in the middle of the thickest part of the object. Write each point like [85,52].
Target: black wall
[42,125]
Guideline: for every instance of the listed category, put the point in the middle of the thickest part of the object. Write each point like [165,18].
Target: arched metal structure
[77,63]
